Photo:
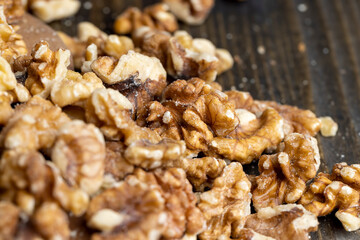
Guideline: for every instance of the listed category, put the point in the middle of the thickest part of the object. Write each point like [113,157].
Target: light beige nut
[116,46]
[226,61]
[226,204]
[156,16]
[146,205]
[201,172]
[91,54]
[47,68]
[115,164]
[6,111]
[132,65]
[20,93]
[110,111]
[191,59]
[50,10]
[87,30]
[51,221]
[328,127]
[13,9]
[193,12]
[283,176]
[79,153]
[34,125]
[12,44]
[140,78]
[7,77]
[26,202]
[74,87]
[246,144]
[149,156]
[9,218]
[282,222]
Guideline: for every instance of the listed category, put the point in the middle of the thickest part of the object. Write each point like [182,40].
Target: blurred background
[303,53]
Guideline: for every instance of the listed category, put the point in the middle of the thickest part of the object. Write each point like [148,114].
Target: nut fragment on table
[47,68]
[282,222]
[79,153]
[146,205]
[156,16]
[340,190]
[283,176]
[226,204]
[12,44]
[34,125]
[50,10]
[193,12]
[74,87]
[328,127]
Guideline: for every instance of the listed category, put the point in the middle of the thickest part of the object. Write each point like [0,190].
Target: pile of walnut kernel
[117,151]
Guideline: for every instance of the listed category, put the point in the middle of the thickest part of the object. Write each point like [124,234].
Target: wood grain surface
[298,52]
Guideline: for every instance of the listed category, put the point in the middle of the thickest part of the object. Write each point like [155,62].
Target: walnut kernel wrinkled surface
[79,153]
[160,203]
[226,204]
[283,176]
[156,16]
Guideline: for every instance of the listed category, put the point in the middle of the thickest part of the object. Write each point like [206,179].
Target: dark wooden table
[304,53]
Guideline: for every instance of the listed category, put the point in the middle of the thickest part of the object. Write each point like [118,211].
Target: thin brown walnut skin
[268,134]
[296,120]
[9,218]
[292,222]
[226,204]
[283,176]
[161,201]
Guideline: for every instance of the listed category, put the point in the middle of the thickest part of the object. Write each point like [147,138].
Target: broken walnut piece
[116,46]
[12,44]
[50,10]
[13,9]
[74,87]
[283,176]
[226,204]
[282,222]
[193,12]
[201,172]
[91,54]
[295,119]
[244,146]
[76,47]
[149,156]
[140,78]
[79,153]
[9,218]
[33,126]
[328,127]
[146,204]
[156,16]
[47,68]
[51,221]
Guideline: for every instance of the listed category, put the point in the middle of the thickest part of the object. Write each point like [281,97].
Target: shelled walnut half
[283,176]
